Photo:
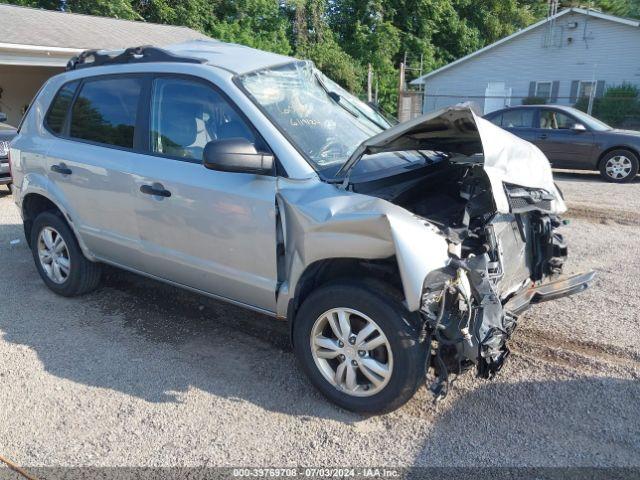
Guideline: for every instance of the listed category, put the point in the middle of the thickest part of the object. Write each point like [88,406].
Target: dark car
[7,132]
[572,139]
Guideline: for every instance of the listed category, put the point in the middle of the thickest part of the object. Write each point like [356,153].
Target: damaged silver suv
[396,253]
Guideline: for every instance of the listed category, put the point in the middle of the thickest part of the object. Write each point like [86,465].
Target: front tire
[619,166]
[59,259]
[358,345]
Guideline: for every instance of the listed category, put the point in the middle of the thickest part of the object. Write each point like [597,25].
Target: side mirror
[3,117]
[236,155]
[578,127]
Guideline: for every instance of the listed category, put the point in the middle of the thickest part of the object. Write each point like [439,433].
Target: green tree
[367,32]
[47,4]
[494,19]
[312,38]
[196,14]
[256,23]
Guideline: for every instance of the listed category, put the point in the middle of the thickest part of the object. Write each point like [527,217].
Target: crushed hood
[459,131]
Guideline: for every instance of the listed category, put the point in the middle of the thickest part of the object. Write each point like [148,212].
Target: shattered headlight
[523,199]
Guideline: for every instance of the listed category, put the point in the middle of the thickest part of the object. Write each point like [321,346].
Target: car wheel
[619,166]
[59,260]
[359,347]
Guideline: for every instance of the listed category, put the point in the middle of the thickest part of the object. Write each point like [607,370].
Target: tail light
[9,158]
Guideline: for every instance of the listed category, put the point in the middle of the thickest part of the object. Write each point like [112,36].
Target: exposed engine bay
[467,308]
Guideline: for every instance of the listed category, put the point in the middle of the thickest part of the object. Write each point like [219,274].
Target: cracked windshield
[324,121]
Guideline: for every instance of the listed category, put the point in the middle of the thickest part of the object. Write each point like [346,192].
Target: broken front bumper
[481,339]
[563,287]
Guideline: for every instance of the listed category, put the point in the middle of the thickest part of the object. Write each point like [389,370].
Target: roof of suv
[235,58]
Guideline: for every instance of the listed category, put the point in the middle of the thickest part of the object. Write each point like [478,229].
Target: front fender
[321,222]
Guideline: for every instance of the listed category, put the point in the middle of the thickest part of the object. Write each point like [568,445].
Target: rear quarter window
[57,114]
[105,111]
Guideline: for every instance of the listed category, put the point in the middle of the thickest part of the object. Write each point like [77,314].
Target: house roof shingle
[31,26]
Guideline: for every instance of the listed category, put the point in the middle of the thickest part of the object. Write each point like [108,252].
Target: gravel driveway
[143,374]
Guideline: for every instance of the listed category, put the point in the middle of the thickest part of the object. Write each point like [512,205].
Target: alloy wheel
[352,352]
[54,255]
[618,167]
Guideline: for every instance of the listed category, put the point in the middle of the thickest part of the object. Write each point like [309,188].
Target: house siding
[599,48]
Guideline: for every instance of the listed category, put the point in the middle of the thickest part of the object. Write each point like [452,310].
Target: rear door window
[105,111]
[518,118]
[496,119]
[57,114]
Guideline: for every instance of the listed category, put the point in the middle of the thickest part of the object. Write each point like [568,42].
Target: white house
[36,44]
[561,59]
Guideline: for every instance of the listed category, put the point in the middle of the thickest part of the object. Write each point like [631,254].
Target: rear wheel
[59,260]
[619,166]
[359,347]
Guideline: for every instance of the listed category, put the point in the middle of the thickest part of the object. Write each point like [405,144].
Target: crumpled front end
[473,232]
[492,195]
[467,307]
[471,307]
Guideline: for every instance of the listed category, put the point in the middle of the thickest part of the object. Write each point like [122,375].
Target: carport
[36,44]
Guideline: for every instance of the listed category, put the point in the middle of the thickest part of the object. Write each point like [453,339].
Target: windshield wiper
[338,99]
[351,108]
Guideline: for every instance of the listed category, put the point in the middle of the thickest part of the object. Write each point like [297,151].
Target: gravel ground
[593,198]
[142,374]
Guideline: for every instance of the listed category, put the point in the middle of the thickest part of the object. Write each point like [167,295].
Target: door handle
[543,136]
[155,189]
[62,168]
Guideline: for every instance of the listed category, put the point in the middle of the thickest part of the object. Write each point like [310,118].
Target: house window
[586,89]
[543,90]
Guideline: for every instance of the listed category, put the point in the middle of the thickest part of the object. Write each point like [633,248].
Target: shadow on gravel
[156,342]
[586,422]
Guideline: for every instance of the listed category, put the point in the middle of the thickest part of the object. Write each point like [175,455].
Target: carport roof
[60,31]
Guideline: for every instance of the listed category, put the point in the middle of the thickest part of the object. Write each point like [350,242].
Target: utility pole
[592,93]
[369,82]
[376,97]
[400,88]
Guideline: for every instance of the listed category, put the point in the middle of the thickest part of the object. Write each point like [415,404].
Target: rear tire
[63,267]
[619,166]
[386,317]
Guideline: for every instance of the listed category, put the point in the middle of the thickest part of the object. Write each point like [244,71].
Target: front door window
[554,120]
[187,114]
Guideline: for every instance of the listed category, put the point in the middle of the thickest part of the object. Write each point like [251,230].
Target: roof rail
[142,54]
